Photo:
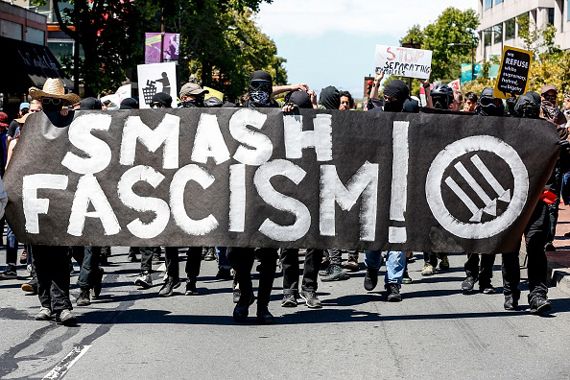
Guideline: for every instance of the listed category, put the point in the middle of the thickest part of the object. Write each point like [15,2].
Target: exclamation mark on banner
[399,196]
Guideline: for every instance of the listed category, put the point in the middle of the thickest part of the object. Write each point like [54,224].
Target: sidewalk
[559,261]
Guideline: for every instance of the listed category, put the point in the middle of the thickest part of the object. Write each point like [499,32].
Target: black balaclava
[330,98]
[90,104]
[163,99]
[488,105]
[260,88]
[299,98]
[400,92]
[129,104]
[198,101]
[528,106]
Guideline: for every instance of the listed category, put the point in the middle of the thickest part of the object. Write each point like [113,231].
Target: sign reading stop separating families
[405,62]
[513,74]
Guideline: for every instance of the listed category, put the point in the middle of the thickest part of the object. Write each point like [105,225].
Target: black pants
[430,258]
[483,273]
[146,256]
[193,261]
[241,260]
[290,263]
[89,267]
[52,271]
[335,255]
[536,233]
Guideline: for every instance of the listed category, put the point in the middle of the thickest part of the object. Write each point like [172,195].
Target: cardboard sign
[404,62]
[513,73]
[156,77]
[214,93]
[261,178]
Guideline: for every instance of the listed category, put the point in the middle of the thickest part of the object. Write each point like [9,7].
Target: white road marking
[66,363]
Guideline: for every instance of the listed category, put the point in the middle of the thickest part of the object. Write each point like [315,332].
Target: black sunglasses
[54,101]
[260,84]
[157,105]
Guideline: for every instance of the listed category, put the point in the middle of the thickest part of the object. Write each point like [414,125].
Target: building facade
[498,23]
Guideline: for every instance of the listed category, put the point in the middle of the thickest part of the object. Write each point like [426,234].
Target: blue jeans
[395,265]
[223,261]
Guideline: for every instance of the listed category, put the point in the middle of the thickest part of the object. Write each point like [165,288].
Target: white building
[498,24]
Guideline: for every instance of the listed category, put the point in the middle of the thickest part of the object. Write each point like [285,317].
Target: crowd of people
[49,266]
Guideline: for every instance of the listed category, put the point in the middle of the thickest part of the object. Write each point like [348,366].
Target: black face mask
[394,106]
[49,107]
[193,103]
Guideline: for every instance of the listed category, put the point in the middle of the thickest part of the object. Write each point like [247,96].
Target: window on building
[510,29]
[489,4]
[61,49]
[487,35]
[498,34]
[497,2]
[550,16]
[567,10]
[11,30]
[35,36]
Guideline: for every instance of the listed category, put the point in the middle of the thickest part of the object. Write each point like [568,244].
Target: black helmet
[488,105]
[442,96]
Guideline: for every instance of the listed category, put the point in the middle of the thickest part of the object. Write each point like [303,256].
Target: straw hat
[53,88]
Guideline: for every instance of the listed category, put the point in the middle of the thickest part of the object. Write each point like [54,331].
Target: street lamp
[472,46]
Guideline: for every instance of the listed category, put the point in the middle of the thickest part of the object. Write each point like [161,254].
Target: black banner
[242,177]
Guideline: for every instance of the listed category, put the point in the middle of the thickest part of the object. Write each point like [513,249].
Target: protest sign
[513,73]
[214,93]
[156,77]
[405,62]
[170,47]
[261,178]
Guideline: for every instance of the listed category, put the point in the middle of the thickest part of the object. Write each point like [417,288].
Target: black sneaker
[406,279]
[311,299]
[9,273]
[240,313]
[83,299]
[487,289]
[370,279]
[468,284]
[393,293]
[539,304]
[224,274]
[210,254]
[191,288]
[144,280]
[511,302]
[264,317]
[168,287]
[289,300]
[335,273]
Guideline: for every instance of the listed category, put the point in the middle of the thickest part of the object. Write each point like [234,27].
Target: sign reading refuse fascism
[513,73]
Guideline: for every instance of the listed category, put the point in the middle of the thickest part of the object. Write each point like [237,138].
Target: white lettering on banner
[296,139]
[209,141]
[166,133]
[399,189]
[144,204]
[90,192]
[364,183]
[191,172]
[33,206]
[256,148]
[237,198]
[474,228]
[97,154]
[282,202]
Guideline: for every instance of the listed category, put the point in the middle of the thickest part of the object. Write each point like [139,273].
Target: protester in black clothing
[536,233]
[487,105]
[52,262]
[549,111]
[241,259]
[290,256]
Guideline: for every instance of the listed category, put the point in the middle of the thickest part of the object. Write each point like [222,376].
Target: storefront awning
[27,65]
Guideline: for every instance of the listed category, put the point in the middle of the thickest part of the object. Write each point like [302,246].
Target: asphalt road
[436,332]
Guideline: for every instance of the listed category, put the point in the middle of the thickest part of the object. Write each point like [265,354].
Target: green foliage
[220,43]
[537,39]
[451,38]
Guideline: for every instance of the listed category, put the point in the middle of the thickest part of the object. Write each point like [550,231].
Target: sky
[332,41]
